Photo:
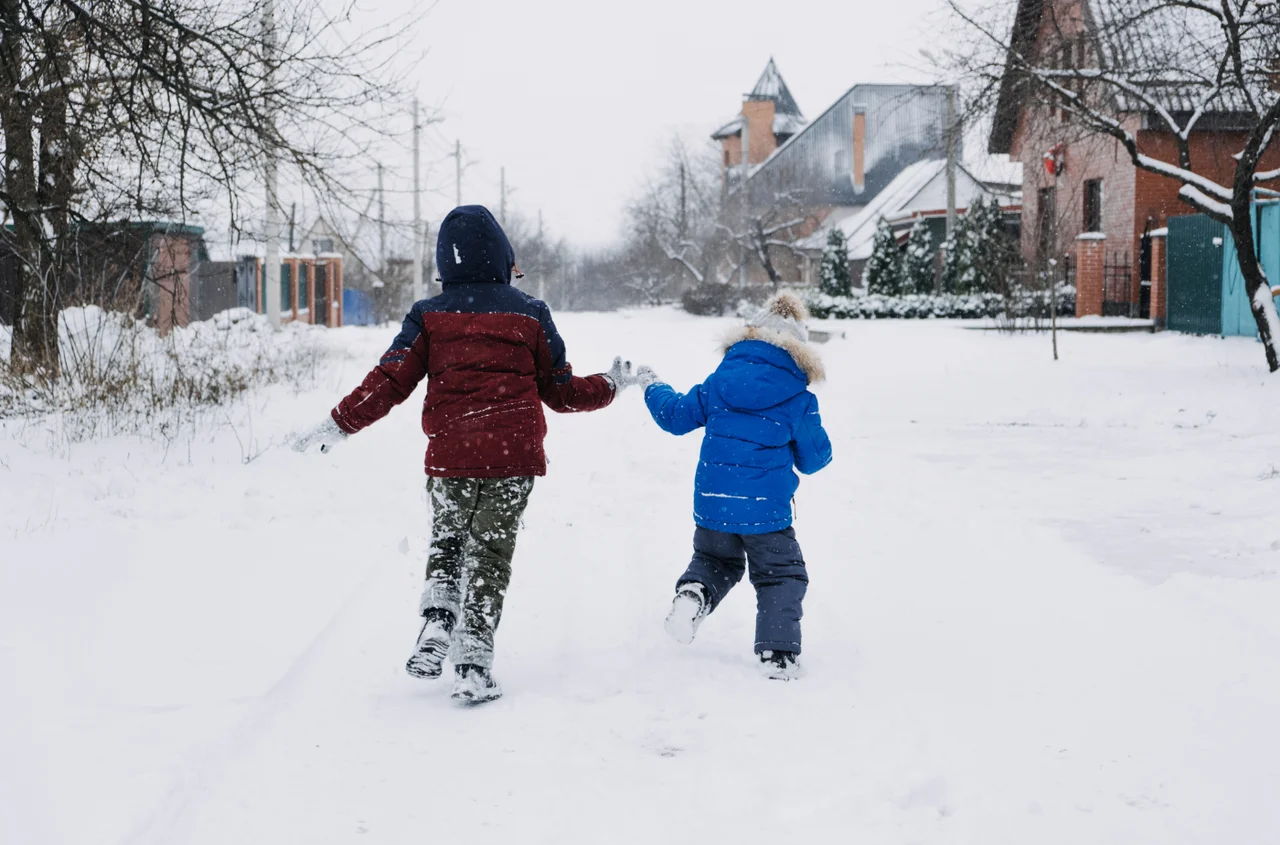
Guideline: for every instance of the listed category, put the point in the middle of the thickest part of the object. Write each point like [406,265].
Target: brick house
[1083,198]
[140,268]
[839,162]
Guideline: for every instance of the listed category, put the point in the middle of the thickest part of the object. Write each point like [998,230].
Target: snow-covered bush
[1022,303]
[883,273]
[119,376]
[917,264]
[978,252]
[711,299]
[835,278]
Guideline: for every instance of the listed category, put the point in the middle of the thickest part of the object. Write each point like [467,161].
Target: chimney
[859,151]
[761,142]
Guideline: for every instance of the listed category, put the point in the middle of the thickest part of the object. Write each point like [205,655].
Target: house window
[286,288]
[303,293]
[322,245]
[1047,217]
[1066,65]
[1093,205]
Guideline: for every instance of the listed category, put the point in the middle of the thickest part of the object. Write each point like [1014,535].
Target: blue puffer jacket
[762,424]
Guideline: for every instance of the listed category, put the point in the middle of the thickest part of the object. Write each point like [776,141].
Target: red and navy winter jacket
[492,357]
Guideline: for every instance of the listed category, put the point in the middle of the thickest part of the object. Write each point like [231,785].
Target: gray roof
[787,118]
[1171,51]
[904,124]
[771,86]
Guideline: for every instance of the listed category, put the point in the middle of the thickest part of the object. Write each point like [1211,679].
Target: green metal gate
[1195,274]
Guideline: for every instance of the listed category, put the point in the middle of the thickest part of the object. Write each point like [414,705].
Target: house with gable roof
[1084,188]
[841,163]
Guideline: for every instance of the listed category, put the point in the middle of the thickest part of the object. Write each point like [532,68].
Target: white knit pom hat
[785,314]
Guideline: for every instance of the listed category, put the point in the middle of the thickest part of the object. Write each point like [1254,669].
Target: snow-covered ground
[1042,610]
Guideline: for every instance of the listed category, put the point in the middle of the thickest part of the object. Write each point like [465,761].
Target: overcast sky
[576,99]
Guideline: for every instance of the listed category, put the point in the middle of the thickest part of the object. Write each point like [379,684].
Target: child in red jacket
[492,357]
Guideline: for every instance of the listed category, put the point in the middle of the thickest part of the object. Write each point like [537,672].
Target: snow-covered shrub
[712,299]
[917,263]
[835,279]
[979,252]
[872,306]
[119,376]
[883,273]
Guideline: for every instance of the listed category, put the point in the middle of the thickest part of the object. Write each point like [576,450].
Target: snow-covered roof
[787,119]
[729,129]
[783,124]
[1170,50]
[771,86]
[920,187]
[995,169]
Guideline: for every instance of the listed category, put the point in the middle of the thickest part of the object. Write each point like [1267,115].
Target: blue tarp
[357,308]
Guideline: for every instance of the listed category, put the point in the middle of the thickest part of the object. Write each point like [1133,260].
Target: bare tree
[139,109]
[687,230]
[765,229]
[1114,66]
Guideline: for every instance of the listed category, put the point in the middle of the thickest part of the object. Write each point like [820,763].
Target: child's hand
[645,376]
[327,434]
[620,375]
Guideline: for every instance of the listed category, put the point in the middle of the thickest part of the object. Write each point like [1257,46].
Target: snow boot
[780,665]
[433,645]
[688,609]
[474,685]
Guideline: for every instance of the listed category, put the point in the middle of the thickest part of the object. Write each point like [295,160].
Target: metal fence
[1117,286]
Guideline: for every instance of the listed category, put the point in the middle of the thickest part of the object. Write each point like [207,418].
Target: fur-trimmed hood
[805,356]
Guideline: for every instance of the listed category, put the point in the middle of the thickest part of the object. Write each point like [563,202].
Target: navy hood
[473,248]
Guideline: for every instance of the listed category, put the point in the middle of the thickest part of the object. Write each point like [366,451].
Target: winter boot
[433,645]
[780,665]
[688,609]
[474,685]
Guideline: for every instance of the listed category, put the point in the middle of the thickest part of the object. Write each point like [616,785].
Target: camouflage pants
[473,537]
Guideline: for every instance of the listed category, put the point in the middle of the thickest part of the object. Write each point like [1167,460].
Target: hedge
[945,306]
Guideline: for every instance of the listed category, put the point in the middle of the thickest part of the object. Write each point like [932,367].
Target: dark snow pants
[473,538]
[777,572]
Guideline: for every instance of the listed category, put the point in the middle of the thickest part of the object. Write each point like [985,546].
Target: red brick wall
[1089,262]
[761,142]
[1133,200]
[1159,291]
[169,282]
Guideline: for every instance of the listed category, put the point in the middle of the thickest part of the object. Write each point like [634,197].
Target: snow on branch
[1220,210]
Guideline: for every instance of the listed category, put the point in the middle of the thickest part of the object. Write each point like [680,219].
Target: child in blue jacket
[762,424]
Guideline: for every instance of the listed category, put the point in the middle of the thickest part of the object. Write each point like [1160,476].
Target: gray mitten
[620,375]
[327,434]
[645,376]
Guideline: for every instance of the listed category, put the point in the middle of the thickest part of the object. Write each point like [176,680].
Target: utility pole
[502,203]
[684,219]
[382,226]
[744,192]
[418,292]
[271,270]
[951,158]
[542,271]
[457,173]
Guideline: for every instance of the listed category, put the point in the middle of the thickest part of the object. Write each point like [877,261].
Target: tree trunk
[1255,281]
[35,331]
[1255,278]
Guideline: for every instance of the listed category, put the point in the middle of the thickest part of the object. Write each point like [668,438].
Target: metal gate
[1117,286]
[1237,310]
[1195,275]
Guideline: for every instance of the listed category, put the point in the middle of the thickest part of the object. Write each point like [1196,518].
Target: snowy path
[1042,610]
